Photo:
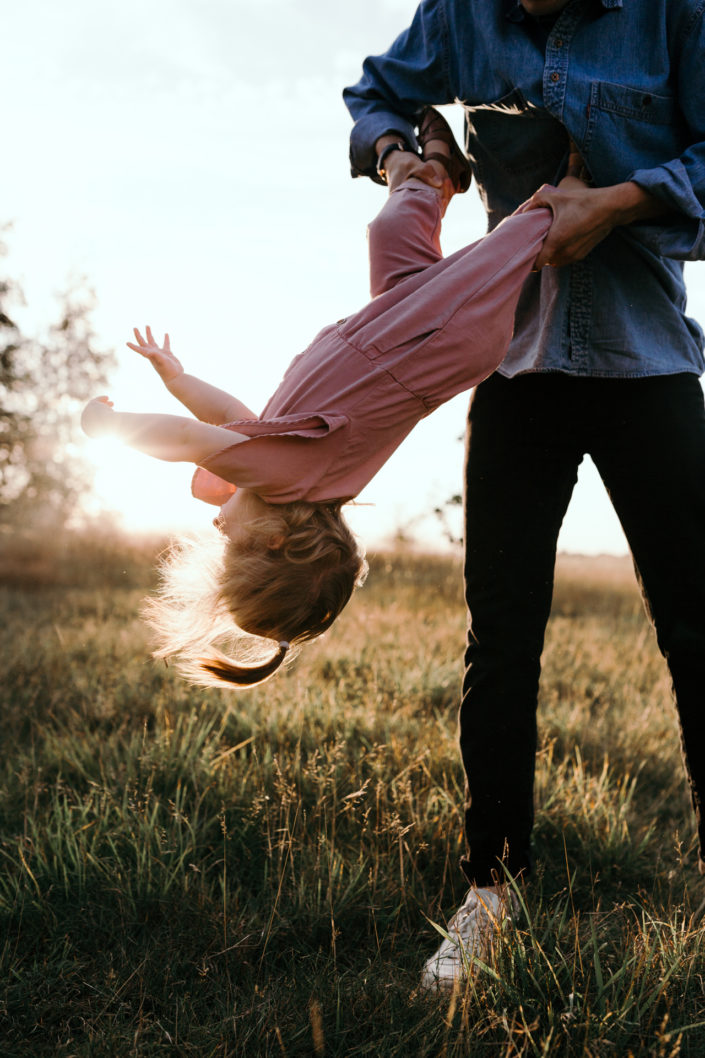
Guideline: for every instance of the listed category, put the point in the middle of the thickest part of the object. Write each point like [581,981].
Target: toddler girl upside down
[435,326]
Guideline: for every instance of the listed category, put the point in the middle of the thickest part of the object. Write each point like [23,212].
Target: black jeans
[526,439]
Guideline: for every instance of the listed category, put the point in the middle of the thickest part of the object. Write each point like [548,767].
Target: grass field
[201,873]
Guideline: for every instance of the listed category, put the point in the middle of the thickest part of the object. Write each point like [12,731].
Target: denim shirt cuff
[683,237]
[366,132]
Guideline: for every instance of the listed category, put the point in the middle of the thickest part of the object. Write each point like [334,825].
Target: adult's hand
[583,216]
[400,165]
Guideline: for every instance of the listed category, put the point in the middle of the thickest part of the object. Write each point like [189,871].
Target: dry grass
[197,873]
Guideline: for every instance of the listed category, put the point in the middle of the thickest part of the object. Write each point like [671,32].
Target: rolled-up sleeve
[283,459]
[680,183]
[395,86]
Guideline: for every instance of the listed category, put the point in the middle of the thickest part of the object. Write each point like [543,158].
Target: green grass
[202,873]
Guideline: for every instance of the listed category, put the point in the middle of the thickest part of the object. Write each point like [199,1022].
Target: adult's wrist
[631,203]
[396,146]
[390,139]
[387,139]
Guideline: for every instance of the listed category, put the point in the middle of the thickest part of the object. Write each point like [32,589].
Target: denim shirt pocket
[638,126]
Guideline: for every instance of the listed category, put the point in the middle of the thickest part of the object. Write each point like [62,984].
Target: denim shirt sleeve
[680,183]
[395,86]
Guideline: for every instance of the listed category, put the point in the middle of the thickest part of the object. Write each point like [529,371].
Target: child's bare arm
[173,438]
[206,402]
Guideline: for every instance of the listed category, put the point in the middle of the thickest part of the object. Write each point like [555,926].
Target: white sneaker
[471,933]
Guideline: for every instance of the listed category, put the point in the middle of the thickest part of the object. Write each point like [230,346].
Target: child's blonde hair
[285,579]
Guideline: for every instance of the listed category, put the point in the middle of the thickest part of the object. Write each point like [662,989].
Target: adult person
[603,361]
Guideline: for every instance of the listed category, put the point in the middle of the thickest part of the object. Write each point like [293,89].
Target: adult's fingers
[401,165]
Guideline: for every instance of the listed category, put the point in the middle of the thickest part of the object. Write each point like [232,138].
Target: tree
[43,383]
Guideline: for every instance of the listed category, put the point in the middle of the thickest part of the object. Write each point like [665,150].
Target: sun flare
[145,495]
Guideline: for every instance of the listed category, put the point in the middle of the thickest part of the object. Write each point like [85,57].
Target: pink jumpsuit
[435,327]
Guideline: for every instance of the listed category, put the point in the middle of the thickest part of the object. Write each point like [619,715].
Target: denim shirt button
[558,43]
[555,77]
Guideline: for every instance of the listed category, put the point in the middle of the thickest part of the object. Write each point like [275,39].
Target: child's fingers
[148,346]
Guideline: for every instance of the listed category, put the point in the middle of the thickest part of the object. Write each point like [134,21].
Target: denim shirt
[626,80]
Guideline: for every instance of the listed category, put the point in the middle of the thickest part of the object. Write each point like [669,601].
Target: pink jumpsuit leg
[404,238]
[441,325]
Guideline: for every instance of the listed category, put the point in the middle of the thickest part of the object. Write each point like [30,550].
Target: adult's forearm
[584,216]
[395,86]
[206,402]
[402,165]
[173,438]
[386,140]
[630,203]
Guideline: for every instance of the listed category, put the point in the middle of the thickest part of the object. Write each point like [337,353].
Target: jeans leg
[522,461]
[653,464]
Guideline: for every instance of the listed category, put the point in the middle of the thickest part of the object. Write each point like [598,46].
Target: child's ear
[276,542]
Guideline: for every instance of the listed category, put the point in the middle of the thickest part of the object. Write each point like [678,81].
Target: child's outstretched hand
[96,417]
[160,356]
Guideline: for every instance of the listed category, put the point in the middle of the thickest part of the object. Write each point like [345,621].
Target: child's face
[236,514]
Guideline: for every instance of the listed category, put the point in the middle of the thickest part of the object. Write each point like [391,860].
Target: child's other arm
[206,402]
[173,438]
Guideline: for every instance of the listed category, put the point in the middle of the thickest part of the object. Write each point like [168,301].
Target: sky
[189,160]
